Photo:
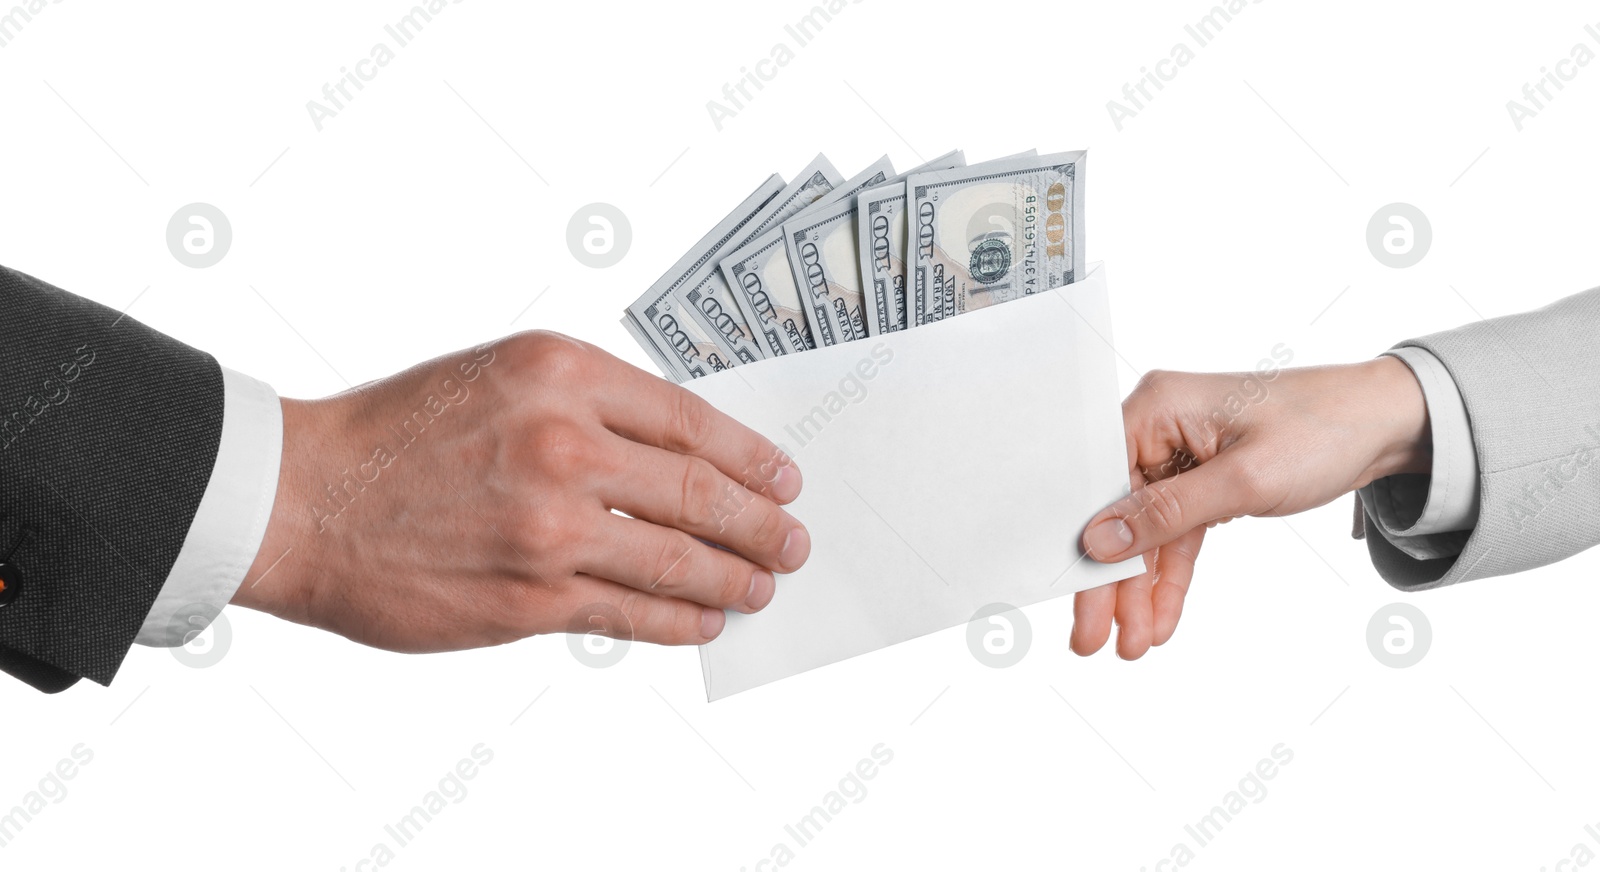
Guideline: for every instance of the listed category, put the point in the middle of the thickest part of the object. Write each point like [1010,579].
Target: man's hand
[469,501]
[1206,448]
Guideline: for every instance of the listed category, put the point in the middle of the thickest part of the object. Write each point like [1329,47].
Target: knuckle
[549,534]
[1161,508]
[1156,381]
[597,618]
[1182,551]
[702,494]
[634,608]
[762,469]
[672,564]
[735,586]
[551,355]
[691,423]
[770,531]
[683,628]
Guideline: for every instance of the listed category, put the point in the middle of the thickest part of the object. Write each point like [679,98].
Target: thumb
[1161,511]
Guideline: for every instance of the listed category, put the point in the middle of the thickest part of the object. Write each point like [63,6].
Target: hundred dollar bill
[664,363]
[994,232]
[881,218]
[760,274]
[707,296]
[658,319]
[822,252]
[882,249]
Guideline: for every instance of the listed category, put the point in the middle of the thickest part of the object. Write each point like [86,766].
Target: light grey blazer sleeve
[1531,384]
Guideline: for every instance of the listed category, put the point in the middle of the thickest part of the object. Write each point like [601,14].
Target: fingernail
[762,588]
[795,549]
[1107,539]
[711,622]
[786,484]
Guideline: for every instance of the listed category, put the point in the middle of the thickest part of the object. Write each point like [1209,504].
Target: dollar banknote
[824,260]
[823,254]
[665,364]
[658,319]
[761,276]
[707,295]
[882,248]
[995,232]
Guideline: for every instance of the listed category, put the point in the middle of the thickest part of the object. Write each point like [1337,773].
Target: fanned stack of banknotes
[823,260]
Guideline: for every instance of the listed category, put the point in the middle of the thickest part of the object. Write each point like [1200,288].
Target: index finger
[653,411]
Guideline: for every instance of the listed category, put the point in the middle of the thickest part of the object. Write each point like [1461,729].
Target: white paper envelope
[947,467]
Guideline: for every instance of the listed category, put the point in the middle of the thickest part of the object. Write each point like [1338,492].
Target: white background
[408,227]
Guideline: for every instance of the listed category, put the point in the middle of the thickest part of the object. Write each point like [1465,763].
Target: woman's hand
[1206,448]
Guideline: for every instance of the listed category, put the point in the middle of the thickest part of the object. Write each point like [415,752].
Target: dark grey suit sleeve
[1531,385]
[108,433]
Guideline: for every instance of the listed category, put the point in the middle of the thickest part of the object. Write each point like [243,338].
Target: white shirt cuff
[232,517]
[1413,511]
